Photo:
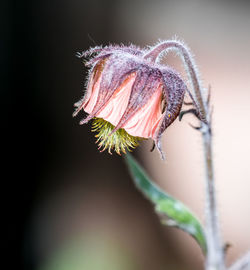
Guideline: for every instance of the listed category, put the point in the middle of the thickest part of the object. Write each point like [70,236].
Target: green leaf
[172,211]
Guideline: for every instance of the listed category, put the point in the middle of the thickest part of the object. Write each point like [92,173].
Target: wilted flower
[129,96]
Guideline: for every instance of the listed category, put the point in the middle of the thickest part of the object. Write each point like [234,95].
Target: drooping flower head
[129,97]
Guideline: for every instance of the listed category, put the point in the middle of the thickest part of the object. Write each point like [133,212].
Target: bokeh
[75,208]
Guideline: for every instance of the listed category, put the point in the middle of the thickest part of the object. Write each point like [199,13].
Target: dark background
[58,185]
[49,152]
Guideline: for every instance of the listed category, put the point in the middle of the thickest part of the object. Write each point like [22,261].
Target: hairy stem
[215,253]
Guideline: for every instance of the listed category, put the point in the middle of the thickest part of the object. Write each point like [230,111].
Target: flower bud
[130,97]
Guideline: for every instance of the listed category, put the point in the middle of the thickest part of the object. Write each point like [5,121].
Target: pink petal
[92,94]
[145,121]
[116,106]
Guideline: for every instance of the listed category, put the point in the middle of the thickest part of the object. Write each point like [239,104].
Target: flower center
[119,141]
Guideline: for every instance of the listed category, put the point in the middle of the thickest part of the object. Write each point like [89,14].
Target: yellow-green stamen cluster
[119,141]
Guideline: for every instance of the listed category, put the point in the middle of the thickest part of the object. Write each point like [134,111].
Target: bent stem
[215,253]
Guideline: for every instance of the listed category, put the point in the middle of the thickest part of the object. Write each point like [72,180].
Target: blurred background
[71,207]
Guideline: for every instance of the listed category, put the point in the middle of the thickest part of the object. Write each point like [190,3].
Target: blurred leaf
[91,251]
[172,211]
